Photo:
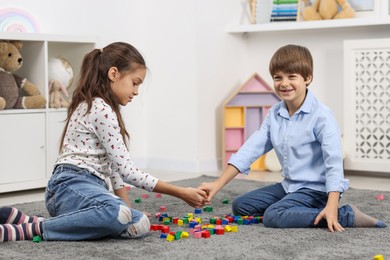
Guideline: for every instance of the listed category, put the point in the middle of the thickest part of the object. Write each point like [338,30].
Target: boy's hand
[195,197]
[211,188]
[331,218]
[330,213]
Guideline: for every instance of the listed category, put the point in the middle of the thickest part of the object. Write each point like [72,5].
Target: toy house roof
[255,92]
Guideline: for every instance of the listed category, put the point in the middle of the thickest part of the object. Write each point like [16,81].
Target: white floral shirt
[93,142]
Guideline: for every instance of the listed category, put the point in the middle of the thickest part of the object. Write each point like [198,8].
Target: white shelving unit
[309,25]
[29,137]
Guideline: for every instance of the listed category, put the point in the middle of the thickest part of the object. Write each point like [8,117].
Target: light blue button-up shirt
[308,146]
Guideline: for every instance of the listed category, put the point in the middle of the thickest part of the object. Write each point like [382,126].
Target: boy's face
[291,87]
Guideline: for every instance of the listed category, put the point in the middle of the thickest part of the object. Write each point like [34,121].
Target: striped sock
[10,215]
[25,231]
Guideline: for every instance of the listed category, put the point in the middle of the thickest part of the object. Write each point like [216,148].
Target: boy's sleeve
[257,145]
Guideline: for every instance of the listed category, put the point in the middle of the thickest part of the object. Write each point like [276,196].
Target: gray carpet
[251,241]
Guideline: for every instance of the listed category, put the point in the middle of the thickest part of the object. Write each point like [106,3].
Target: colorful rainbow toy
[17,20]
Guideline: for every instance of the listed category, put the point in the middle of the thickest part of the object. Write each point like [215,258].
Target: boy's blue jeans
[82,207]
[288,210]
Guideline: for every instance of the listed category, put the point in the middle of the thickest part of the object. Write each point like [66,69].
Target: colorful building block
[225,201]
[198,234]
[163,208]
[137,200]
[380,197]
[208,209]
[379,257]
[170,238]
[154,227]
[184,234]
[198,211]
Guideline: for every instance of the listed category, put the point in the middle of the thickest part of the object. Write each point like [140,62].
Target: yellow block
[184,234]
[379,257]
[228,228]
[234,228]
[180,222]
[170,238]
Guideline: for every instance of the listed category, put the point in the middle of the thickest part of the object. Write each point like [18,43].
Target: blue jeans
[288,210]
[82,207]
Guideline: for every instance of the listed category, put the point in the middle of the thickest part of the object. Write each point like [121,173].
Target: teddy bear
[327,9]
[60,79]
[11,84]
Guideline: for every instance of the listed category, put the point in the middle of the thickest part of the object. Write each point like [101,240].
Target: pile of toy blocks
[198,227]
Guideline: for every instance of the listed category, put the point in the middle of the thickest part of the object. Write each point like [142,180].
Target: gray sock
[363,220]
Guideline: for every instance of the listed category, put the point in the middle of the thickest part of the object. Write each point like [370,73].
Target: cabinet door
[56,123]
[22,153]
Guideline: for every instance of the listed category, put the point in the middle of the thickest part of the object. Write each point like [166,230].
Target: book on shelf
[265,11]
[285,10]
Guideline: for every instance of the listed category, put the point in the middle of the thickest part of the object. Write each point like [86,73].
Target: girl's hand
[194,197]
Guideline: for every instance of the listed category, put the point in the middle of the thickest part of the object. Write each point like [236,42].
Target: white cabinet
[29,138]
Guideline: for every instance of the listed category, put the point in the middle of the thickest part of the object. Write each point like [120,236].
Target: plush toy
[60,79]
[327,9]
[10,84]
[55,91]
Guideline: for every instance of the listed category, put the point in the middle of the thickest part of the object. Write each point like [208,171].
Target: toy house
[243,113]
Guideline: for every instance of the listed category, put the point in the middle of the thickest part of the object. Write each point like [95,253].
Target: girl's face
[291,87]
[125,85]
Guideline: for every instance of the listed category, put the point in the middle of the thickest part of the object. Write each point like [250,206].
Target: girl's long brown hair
[94,82]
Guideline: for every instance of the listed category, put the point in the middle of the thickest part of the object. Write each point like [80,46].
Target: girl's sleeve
[106,127]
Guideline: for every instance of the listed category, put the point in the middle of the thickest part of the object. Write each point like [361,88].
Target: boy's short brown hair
[292,59]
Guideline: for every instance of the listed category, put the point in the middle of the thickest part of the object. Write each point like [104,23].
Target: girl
[306,138]
[94,156]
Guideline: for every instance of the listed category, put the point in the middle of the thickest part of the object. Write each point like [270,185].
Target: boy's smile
[291,87]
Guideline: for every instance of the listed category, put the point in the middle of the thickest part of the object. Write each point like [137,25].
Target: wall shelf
[309,25]
[31,136]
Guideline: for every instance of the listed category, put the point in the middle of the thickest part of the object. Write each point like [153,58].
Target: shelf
[308,25]
[47,37]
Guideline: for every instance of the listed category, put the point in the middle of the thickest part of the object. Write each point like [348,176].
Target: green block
[137,200]
[225,201]
[208,209]
[37,239]
[213,220]
[178,235]
[240,221]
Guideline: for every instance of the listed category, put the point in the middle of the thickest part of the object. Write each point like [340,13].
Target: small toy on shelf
[10,84]
[327,9]
[60,79]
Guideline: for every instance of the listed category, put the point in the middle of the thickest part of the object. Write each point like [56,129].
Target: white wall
[194,65]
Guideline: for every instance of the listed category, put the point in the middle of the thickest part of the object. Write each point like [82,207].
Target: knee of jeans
[270,218]
[140,228]
[124,214]
[237,207]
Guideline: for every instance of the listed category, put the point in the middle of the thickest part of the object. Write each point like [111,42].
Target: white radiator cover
[367,105]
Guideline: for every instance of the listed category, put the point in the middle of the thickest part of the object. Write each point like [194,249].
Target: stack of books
[285,10]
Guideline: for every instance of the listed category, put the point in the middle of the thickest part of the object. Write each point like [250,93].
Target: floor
[356,181]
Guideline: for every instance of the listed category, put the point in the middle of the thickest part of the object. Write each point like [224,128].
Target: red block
[205,234]
[165,229]
[219,231]
[154,227]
